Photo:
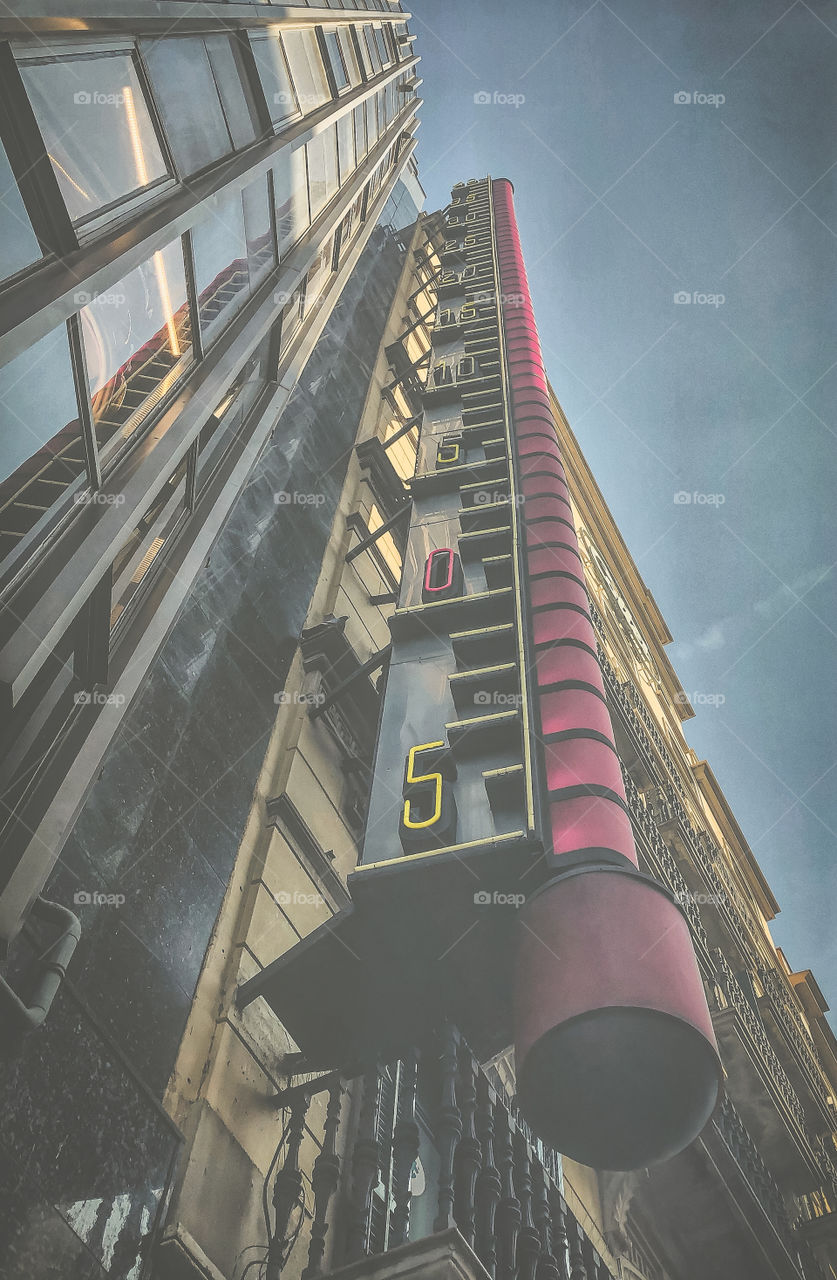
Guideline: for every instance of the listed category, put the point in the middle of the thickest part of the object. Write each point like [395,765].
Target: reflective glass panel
[143,552]
[349,56]
[258,230]
[18,243]
[230,414]
[372,49]
[233,89]
[346,146]
[335,57]
[222,278]
[79,100]
[359,114]
[307,70]
[290,193]
[185,90]
[322,169]
[41,451]
[273,72]
[137,341]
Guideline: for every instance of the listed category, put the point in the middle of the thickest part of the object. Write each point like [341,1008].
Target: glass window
[368,65]
[274,75]
[371,106]
[41,449]
[307,70]
[322,169]
[381,46]
[219,252]
[290,193]
[137,341]
[134,566]
[226,422]
[18,243]
[192,111]
[335,58]
[346,145]
[347,48]
[372,49]
[258,230]
[233,89]
[292,316]
[359,114]
[318,275]
[76,100]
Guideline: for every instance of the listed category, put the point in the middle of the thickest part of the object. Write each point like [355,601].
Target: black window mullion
[253,81]
[85,403]
[192,295]
[30,163]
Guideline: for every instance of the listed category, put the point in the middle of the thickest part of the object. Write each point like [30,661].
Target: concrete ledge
[443,1256]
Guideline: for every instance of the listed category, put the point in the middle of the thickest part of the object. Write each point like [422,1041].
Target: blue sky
[627,197]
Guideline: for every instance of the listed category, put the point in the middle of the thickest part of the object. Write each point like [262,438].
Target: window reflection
[335,57]
[18,243]
[290,194]
[232,250]
[41,449]
[292,316]
[137,341]
[220,259]
[359,114]
[307,70]
[76,100]
[322,168]
[346,145]
[347,48]
[272,67]
[258,229]
[230,414]
[143,552]
[199,88]
[318,275]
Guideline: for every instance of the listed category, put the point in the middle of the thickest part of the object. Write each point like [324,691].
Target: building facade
[235,361]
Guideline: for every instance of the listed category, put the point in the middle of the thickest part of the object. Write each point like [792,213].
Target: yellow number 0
[423,777]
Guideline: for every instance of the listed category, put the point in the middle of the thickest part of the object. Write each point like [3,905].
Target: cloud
[713,637]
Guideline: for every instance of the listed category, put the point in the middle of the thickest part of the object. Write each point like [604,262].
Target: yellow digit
[436,778]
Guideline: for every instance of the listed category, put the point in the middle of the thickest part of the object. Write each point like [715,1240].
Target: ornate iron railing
[493,1181]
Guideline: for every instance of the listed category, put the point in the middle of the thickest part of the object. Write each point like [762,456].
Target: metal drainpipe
[52,968]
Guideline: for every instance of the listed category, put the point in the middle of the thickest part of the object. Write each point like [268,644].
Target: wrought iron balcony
[754,1068]
[778,1004]
[425,1146]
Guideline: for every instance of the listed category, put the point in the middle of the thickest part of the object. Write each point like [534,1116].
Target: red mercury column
[616,1059]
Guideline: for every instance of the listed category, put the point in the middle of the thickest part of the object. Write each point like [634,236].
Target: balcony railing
[707,857]
[661,862]
[797,1033]
[735,1134]
[481,1172]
